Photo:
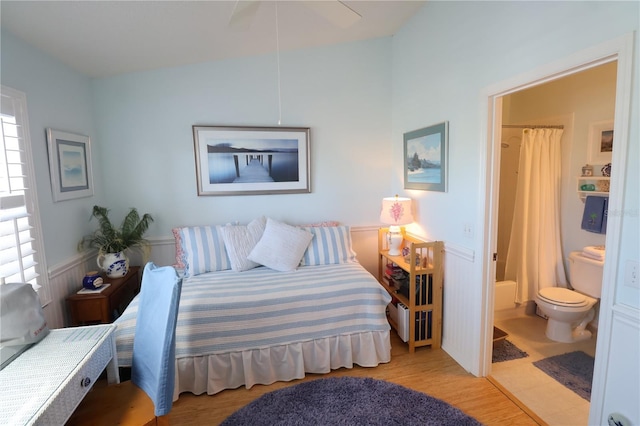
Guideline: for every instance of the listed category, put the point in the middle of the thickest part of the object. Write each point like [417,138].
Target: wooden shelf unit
[423,297]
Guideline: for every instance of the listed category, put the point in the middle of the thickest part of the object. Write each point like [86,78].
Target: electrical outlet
[631,271]
[467,230]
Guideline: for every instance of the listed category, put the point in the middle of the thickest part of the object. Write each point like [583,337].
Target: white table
[45,384]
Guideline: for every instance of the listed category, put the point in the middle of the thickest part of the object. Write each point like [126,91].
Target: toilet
[569,311]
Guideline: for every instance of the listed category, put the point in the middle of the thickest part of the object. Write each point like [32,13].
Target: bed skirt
[264,366]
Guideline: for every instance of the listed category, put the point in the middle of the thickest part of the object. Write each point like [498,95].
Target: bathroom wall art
[600,142]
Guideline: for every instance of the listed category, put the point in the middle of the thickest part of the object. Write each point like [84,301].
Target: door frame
[620,50]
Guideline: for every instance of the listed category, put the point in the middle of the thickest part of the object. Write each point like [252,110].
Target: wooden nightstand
[105,307]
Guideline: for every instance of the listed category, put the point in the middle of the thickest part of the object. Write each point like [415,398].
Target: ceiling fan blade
[243,14]
[335,12]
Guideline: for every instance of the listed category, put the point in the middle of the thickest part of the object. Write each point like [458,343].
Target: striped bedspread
[229,311]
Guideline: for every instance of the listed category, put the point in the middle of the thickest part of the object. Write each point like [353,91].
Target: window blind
[20,241]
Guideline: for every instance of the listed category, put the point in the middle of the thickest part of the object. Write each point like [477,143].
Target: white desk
[45,384]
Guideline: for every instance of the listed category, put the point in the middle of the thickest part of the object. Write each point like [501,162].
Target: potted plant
[111,241]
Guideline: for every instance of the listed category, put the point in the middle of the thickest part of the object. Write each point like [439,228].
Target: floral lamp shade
[396,211]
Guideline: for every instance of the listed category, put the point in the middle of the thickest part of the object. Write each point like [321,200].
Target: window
[21,248]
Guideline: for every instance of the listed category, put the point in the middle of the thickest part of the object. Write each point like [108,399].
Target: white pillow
[240,240]
[281,246]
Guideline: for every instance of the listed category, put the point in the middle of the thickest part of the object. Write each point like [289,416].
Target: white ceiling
[105,38]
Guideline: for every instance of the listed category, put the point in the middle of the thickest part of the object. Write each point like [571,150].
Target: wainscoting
[461,292]
[66,279]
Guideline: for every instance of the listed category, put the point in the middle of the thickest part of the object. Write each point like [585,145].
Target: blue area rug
[506,351]
[348,401]
[573,369]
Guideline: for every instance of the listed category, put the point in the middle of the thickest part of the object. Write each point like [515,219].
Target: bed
[255,324]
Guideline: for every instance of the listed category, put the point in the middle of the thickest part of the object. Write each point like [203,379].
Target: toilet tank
[586,274]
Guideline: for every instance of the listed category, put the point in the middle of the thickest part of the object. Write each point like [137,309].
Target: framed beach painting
[69,165]
[251,160]
[425,158]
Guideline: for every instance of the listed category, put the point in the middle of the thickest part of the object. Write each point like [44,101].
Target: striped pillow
[330,245]
[203,250]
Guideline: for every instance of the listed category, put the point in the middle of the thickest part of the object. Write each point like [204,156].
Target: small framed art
[251,160]
[425,158]
[69,165]
[600,142]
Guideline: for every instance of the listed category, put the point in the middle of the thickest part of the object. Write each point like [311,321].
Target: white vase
[115,265]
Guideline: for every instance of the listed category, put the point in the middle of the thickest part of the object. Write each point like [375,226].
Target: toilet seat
[560,296]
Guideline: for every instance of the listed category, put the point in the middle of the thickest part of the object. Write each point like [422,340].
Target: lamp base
[394,239]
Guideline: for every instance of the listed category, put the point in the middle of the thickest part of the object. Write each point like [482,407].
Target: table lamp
[396,211]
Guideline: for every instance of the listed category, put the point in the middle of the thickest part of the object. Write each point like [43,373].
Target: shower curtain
[534,257]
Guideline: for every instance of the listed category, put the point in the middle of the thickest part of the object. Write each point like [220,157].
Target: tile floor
[551,401]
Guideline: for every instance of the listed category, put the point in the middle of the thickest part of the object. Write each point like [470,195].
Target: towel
[594,252]
[594,218]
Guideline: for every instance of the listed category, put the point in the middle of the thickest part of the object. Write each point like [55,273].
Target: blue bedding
[230,311]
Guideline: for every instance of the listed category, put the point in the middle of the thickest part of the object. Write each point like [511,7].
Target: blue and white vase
[115,265]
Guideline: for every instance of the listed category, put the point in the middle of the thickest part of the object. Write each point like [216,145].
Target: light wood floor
[428,370]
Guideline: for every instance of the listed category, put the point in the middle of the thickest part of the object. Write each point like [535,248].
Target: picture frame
[251,160]
[425,158]
[600,142]
[69,165]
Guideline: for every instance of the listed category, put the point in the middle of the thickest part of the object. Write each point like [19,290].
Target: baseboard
[520,311]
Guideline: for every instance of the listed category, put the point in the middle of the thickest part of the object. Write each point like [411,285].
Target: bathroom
[581,104]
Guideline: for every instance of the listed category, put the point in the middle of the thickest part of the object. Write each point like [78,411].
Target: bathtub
[505,295]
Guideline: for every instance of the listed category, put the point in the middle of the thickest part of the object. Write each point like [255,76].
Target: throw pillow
[330,245]
[319,224]
[179,252]
[281,246]
[240,240]
[203,248]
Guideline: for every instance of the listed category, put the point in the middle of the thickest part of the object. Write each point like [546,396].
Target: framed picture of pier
[69,165]
[251,160]
[425,158]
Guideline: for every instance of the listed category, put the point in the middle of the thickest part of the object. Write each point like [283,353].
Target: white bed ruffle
[217,372]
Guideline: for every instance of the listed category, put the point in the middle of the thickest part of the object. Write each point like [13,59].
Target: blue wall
[343,93]
[60,98]
[142,142]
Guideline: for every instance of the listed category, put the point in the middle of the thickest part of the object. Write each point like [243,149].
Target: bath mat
[573,369]
[506,351]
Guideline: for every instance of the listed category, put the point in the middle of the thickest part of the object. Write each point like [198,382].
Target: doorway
[554,104]
[599,55]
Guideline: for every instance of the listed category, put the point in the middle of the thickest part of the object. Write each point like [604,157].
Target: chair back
[154,344]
